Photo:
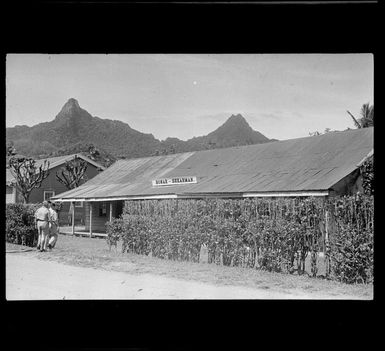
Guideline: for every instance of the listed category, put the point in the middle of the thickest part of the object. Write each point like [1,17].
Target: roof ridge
[154,156]
[251,145]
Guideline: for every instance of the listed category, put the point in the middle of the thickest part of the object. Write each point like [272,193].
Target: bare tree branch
[27,175]
[72,173]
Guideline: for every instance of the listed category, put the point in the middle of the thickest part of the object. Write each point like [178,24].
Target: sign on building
[174,181]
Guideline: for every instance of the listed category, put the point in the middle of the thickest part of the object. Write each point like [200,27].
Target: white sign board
[174,181]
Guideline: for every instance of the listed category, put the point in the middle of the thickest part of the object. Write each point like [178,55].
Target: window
[78,203]
[48,194]
[103,209]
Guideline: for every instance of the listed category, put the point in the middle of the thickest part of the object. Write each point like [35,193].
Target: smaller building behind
[51,186]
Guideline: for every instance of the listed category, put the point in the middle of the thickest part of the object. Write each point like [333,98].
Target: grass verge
[94,253]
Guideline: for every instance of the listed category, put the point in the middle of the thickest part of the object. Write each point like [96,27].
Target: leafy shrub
[270,234]
[115,230]
[352,255]
[367,172]
[352,244]
[20,224]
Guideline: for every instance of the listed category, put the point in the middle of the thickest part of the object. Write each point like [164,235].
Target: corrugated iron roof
[305,164]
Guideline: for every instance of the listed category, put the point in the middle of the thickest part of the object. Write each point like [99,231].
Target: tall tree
[72,173]
[366,116]
[93,152]
[28,175]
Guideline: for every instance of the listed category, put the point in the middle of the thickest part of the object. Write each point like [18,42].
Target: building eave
[370,154]
[117,198]
[289,194]
[74,156]
[199,196]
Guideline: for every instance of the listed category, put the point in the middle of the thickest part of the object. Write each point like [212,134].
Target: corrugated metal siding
[304,164]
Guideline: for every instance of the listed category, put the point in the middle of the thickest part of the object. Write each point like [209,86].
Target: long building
[324,165]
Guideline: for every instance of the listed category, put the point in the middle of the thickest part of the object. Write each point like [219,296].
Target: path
[29,278]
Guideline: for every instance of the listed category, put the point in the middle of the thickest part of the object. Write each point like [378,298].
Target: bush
[352,243]
[352,256]
[115,230]
[20,224]
[270,234]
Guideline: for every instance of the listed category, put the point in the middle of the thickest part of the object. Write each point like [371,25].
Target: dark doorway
[119,208]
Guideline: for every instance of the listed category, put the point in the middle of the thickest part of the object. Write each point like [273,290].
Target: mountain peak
[73,101]
[70,105]
[236,131]
[237,120]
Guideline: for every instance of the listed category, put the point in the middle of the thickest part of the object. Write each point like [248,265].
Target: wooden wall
[98,221]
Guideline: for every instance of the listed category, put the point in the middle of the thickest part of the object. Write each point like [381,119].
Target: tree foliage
[366,118]
[28,174]
[316,133]
[94,152]
[367,171]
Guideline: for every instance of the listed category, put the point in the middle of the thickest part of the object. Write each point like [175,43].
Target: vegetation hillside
[75,130]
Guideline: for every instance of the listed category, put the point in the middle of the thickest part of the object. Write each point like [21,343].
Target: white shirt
[42,213]
[53,216]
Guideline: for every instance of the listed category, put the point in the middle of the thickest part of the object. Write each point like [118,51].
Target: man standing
[42,225]
[53,225]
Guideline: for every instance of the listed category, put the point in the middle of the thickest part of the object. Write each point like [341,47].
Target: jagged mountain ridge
[74,130]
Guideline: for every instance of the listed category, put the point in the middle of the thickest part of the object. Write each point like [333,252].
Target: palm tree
[367,116]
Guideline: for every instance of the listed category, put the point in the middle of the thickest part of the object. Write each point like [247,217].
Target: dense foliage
[366,116]
[352,246]
[367,171]
[271,234]
[20,225]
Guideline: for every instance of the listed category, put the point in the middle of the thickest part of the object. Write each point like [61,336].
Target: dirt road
[28,278]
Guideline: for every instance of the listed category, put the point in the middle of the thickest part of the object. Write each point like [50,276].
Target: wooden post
[110,211]
[326,253]
[90,219]
[73,217]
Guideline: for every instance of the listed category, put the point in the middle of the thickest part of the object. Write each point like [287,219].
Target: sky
[283,96]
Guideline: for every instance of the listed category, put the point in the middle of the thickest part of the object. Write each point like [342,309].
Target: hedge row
[270,234]
[352,239]
[20,224]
